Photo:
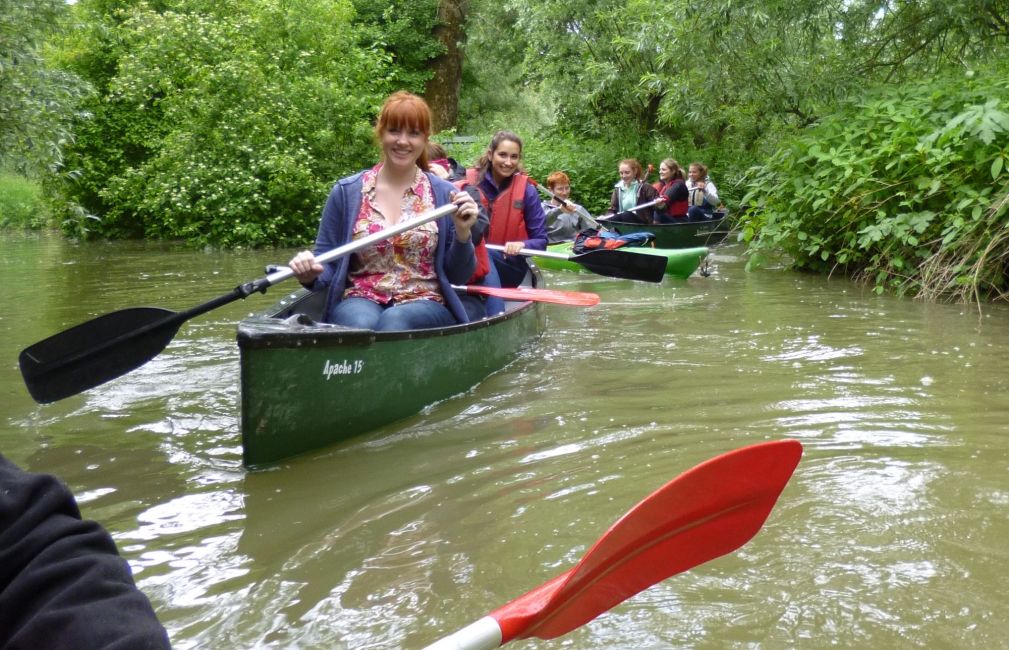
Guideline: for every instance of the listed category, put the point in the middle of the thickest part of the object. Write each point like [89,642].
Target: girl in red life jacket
[442,165]
[672,187]
[516,215]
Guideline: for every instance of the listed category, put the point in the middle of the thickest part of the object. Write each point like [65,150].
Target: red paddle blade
[574,298]
[704,513]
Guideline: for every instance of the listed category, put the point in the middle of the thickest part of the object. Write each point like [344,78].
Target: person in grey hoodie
[565,219]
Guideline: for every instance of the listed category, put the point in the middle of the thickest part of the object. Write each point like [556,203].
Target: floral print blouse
[400,269]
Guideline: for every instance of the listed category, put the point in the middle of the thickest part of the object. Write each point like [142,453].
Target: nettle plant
[906,189]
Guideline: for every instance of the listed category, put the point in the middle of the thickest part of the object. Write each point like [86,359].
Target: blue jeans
[362,313]
[511,269]
[478,307]
[699,213]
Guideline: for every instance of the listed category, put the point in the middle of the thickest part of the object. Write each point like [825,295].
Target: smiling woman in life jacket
[516,215]
[632,190]
[672,187]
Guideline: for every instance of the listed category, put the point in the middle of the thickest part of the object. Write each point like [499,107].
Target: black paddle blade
[96,351]
[623,264]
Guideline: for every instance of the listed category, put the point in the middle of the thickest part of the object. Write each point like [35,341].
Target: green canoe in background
[306,385]
[680,262]
[680,235]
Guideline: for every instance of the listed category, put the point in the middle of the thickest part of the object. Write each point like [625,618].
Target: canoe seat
[303,303]
[305,320]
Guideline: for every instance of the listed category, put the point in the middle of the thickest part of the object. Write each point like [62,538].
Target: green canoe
[680,235]
[680,262]
[306,385]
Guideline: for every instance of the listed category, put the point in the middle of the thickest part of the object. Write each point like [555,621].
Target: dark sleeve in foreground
[63,583]
[479,229]
[646,193]
[460,261]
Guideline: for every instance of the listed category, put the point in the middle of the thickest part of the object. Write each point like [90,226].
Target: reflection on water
[891,534]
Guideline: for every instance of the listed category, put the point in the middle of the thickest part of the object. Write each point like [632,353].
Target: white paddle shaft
[485,634]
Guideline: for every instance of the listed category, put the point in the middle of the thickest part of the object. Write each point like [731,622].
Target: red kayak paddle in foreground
[704,513]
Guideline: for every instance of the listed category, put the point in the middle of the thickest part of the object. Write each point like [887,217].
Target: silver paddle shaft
[533,251]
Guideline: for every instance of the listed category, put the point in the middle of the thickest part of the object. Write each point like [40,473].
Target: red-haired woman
[672,188]
[403,282]
[630,191]
[565,219]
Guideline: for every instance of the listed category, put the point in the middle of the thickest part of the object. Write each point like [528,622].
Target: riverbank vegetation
[861,138]
[904,188]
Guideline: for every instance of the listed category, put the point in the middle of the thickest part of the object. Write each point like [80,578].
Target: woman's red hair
[403,110]
[557,178]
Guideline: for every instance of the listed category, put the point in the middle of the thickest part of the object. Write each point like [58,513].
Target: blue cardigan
[454,261]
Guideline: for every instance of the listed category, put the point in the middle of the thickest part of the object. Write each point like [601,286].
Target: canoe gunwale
[680,262]
[688,234]
[266,331]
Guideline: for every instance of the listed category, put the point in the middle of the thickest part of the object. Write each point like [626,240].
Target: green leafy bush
[906,188]
[219,123]
[591,165]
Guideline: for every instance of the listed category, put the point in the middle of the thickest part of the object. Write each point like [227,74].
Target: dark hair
[403,110]
[483,164]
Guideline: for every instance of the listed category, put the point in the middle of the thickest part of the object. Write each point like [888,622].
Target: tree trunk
[442,90]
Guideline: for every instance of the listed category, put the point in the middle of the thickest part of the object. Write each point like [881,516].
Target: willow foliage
[37,101]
